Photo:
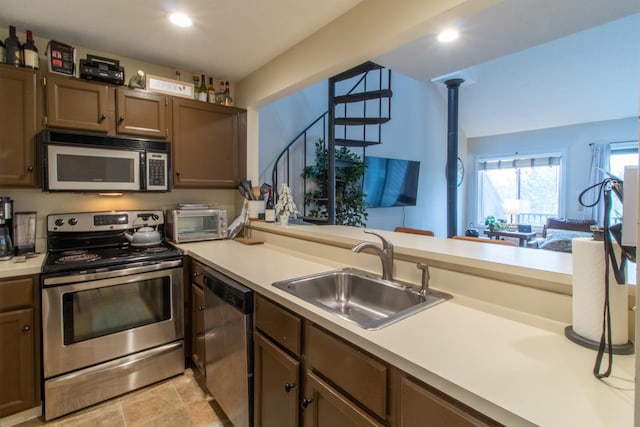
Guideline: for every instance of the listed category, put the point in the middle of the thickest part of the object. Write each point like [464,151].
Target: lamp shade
[511,206]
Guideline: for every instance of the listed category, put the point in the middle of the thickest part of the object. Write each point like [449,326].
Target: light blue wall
[571,141]
[417,131]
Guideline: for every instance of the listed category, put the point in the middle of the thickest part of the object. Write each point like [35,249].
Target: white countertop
[515,373]
[17,267]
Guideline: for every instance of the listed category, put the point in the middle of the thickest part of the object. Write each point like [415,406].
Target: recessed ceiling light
[180,19]
[448,35]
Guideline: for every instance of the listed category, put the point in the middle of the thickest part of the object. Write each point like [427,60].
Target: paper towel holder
[573,336]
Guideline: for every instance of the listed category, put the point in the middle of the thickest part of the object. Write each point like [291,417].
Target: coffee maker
[6,219]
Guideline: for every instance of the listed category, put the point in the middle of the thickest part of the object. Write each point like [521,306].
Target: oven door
[97,319]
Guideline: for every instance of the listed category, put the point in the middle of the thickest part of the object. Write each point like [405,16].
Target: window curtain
[598,165]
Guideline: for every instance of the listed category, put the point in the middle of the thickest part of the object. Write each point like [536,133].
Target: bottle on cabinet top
[12,51]
[211,92]
[269,209]
[202,90]
[220,94]
[228,101]
[30,56]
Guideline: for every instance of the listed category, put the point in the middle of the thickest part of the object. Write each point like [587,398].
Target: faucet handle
[425,277]
[385,243]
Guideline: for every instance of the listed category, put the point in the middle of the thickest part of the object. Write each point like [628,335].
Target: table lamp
[511,207]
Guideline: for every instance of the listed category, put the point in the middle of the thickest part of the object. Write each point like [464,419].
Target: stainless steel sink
[361,297]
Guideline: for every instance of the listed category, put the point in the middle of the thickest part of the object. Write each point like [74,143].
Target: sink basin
[361,297]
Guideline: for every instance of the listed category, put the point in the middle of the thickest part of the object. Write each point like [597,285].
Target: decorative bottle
[220,94]
[211,92]
[269,209]
[30,56]
[12,51]
[202,90]
[228,101]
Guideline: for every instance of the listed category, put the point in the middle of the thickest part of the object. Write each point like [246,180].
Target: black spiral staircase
[359,104]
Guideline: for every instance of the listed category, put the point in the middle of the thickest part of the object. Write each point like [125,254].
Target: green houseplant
[350,204]
[494,224]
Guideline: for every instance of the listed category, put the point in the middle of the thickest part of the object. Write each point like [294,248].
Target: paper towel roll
[588,293]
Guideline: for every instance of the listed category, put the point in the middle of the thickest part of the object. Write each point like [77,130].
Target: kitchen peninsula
[502,354]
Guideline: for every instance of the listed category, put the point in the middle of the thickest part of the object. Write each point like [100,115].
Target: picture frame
[170,86]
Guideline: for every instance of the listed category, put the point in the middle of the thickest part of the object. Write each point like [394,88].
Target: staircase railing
[286,154]
[282,163]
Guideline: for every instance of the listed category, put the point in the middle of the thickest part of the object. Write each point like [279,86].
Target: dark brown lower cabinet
[19,351]
[276,383]
[421,406]
[323,406]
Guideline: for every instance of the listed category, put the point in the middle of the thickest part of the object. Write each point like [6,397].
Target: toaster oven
[192,225]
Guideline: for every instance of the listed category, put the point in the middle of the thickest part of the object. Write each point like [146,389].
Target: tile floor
[176,402]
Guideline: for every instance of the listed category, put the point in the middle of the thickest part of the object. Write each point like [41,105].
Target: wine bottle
[202,90]
[228,101]
[12,52]
[30,56]
[196,85]
[211,92]
[220,94]
[269,209]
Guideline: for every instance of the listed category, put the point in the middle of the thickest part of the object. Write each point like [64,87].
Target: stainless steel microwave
[89,162]
[192,225]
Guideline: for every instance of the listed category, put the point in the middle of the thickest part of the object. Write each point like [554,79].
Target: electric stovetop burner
[90,242]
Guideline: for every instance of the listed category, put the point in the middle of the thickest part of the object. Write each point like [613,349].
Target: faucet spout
[385,253]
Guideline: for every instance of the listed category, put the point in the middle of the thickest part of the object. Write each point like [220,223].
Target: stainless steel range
[112,312]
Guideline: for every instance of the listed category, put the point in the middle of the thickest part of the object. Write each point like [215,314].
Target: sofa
[557,233]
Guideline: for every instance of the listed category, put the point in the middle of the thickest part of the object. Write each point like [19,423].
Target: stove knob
[73,221]
[59,222]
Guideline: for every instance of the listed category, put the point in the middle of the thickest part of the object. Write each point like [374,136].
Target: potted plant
[349,196]
[494,224]
[285,207]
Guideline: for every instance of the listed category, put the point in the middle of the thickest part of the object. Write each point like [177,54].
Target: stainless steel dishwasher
[228,323]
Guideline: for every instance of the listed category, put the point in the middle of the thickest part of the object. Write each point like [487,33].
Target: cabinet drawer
[197,273]
[355,372]
[279,324]
[16,292]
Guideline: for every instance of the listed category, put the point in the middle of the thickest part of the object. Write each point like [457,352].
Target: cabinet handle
[201,308]
[102,118]
[120,119]
[197,273]
[288,387]
[30,169]
[177,173]
[306,402]
[26,328]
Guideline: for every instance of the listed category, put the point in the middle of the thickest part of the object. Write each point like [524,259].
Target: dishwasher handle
[231,292]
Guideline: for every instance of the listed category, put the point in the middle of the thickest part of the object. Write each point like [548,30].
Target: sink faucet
[385,253]
[425,278]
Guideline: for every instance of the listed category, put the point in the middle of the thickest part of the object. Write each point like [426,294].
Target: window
[622,154]
[521,190]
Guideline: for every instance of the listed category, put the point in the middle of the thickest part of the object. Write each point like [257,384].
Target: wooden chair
[414,231]
[478,239]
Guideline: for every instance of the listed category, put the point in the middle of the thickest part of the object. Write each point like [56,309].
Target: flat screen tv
[390,182]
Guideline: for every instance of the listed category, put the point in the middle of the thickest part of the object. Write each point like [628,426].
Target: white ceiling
[229,39]
[506,49]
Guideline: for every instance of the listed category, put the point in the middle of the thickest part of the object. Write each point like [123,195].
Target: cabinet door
[17,367]
[197,327]
[18,126]
[205,145]
[142,113]
[77,104]
[276,385]
[324,406]
[420,407]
